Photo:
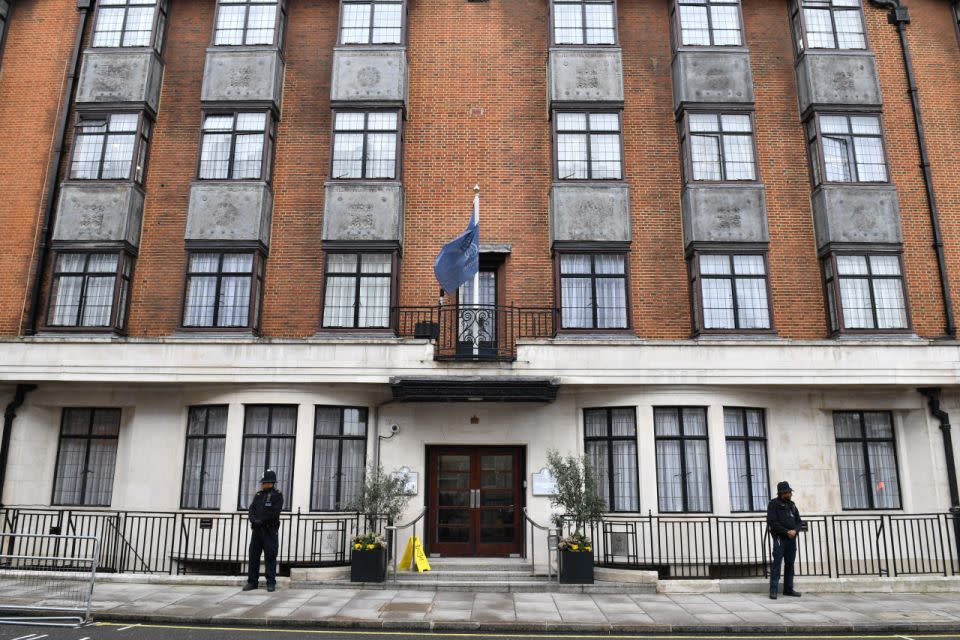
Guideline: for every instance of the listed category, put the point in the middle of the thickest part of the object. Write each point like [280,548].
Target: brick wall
[477,113]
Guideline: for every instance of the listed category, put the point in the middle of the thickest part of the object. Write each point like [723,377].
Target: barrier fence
[680,546]
[739,546]
[188,542]
[47,579]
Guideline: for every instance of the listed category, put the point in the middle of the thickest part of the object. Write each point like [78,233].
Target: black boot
[249,587]
[773,595]
[792,593]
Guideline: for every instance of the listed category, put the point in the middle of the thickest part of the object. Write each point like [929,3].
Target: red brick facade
[478,114]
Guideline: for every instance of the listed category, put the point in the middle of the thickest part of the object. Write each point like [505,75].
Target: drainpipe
[11,412]
[932,394]
[54,175]
[900,17]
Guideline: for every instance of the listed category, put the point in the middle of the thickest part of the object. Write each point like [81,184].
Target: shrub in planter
[579,505]
[382,497]
[368,560]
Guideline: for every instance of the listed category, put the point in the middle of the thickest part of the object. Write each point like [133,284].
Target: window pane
[605,157]
[733,423]
[387,23]
[851,265]
[325,474]
[819,29]
[568,23]
[347,155]
[381,155]
[571,121]
[847,424]
[853,493]
[352,466]
[717,296]
[354,422]
[624,422]
[737,475]
[611,303]
[752,303]
[836,160]
[599,25]
[849,30]
[705,157]
[327,421]
[261,24]
[374,302]
[229,29]
[891,308]
[572,156]
[109,27]
[117,157]
[65,301]
[738,158]
[855,300]
[755,427]
[625,475]
[355,24]
[234,309]
[871,165]
[248,156]
[726,25]
[577,296]
[884,482]
[666,422]
[98,301]
[758,470]
[669,483]
[698,475]
[694,421]
[877,424]
[694,27]
[139,27]
[597,455]
[339,300]
[215,156]
[213,476]
[101,461]
[86,157]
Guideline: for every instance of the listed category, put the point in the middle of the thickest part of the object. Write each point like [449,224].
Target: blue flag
[459,259]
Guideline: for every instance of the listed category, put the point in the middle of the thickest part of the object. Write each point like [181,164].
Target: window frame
[394,289]
[798,28]
[587,111]
[279,25]
[558,288]
[287,502]
[746,438]
[683,455]
[141,146]
[403,25]
[88,437]
[695,280]
[118,317]
[866,459]
[269,144]
[204,438]
[257,275]
[552,38]
[813,136]
[365,412]
[686,147]
[609,438]
[677,27]
[834,303]
[157,27]
[398,154]
[4,23]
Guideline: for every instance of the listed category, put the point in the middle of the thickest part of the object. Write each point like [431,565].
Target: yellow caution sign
[414,556]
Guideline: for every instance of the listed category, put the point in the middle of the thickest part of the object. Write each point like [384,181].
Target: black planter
[576,567]
[368,565]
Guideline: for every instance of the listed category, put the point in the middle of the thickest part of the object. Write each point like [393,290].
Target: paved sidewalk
[458,610]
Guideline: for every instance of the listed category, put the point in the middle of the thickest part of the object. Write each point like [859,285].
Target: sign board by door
[544,484]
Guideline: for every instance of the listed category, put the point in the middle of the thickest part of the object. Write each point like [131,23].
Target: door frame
[520,485]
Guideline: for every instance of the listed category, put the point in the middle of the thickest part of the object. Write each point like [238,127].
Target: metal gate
[47,579]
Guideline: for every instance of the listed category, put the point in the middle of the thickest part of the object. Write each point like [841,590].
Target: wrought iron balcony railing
[475,332]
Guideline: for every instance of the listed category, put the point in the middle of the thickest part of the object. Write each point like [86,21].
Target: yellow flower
[371,546]
[574,546]
[357,546]
[587,549]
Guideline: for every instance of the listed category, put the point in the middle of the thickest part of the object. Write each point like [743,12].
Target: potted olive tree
[579,506]
[382,496]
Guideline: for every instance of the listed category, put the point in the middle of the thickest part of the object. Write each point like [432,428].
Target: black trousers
[267,542]
[785,551]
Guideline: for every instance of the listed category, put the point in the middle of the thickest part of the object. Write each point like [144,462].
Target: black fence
[184,542]
[475,332]
[739,546]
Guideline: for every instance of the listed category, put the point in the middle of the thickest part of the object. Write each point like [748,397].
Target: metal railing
[393,532]
[836,545]
[474,332]
[550,551]
[183,542]
[47,579]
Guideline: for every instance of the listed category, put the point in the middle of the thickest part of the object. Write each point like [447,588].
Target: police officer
[265,523]
[784,523]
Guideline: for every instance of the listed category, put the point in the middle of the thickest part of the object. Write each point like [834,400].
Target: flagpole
[476,276]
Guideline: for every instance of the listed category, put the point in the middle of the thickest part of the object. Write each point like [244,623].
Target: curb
[530,627]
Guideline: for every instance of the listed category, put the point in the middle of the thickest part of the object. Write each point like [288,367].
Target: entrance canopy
[464,389]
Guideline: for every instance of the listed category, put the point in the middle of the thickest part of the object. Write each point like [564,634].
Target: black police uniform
[265,522]
[783,516]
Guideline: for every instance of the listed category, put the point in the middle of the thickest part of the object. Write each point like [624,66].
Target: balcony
[475,332]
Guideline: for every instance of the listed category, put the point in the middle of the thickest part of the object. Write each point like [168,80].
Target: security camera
[394,428]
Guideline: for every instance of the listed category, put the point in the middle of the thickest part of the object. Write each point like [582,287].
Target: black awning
[506,389]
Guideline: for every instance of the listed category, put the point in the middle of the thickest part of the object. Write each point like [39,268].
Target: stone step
[531,585]
[478,576]
[479,564]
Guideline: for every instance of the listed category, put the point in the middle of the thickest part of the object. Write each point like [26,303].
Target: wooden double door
[475,501]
